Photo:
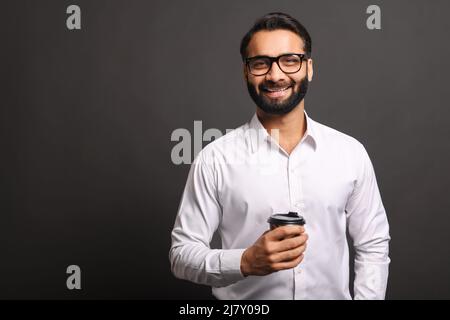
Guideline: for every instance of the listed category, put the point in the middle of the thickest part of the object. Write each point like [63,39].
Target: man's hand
[278,249]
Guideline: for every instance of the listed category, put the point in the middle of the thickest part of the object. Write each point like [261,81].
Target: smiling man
[282,161]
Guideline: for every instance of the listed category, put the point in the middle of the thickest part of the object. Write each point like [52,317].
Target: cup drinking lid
[286,218]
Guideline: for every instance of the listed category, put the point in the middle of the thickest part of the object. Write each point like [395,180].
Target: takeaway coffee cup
[283,219]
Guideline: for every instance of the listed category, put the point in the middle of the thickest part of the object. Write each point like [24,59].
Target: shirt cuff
[230,264]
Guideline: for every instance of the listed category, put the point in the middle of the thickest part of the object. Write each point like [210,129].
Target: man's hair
[277,21]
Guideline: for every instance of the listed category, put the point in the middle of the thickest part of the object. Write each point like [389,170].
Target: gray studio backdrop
[87,115]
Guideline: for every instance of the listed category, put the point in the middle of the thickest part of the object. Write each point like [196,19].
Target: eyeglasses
[288,63]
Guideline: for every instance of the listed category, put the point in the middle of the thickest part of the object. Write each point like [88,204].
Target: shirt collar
[259,134]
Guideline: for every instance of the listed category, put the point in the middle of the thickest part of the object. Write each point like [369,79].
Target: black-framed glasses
[288,63]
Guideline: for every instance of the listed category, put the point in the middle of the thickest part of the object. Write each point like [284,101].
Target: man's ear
[310,69]
[244,69]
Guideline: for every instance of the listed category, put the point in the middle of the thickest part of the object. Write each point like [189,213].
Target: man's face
[277,92]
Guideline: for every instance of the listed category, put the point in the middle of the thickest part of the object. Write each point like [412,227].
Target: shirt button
[298,271]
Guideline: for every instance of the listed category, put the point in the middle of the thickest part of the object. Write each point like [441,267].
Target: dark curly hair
[277,21]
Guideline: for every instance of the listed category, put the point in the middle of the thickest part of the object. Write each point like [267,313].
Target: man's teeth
[277,90]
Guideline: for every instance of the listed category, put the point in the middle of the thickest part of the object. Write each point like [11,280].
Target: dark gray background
[86,120]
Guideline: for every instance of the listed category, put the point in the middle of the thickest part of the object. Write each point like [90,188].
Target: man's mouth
[276,92]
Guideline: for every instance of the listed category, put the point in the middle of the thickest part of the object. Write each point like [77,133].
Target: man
[240,179]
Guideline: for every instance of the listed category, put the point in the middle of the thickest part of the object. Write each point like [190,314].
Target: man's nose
[275,73]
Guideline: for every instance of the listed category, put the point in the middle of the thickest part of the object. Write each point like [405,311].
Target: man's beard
[273,106]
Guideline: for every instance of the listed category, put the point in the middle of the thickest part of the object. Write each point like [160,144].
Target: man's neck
[291,126]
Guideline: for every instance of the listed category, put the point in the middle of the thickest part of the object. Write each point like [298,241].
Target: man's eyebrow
[281,54]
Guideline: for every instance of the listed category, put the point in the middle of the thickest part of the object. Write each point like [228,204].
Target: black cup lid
[286,218]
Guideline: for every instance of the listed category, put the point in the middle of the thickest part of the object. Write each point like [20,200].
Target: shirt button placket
[294,187]
[298,276]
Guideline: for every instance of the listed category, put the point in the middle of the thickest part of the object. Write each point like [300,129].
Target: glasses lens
[259,66]
[290,63]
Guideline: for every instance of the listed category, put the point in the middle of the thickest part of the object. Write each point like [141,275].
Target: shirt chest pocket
[248,196]
[329,188]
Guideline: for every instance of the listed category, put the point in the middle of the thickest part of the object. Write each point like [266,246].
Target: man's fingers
[289,255]
[291,243]
[285,232]
[287,265]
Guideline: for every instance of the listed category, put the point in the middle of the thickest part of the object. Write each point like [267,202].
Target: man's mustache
[274,86]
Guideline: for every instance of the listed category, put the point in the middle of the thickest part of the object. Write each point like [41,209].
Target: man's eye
[259,64]
[291,61]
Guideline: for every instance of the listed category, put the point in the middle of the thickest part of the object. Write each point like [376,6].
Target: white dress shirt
[237,181]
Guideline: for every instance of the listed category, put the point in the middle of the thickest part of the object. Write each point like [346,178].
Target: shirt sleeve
[198,217]
[368,227]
